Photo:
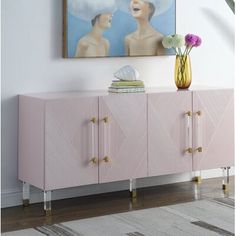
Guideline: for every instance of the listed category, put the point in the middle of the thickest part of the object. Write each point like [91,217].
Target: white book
[126,90]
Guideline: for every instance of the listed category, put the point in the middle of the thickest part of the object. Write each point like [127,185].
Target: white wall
[32,62]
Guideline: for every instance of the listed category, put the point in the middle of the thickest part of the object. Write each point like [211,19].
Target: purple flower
[192,40]
[198,42]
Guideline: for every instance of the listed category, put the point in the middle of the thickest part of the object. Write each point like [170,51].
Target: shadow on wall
[219,23]
[9,143]
[56,29]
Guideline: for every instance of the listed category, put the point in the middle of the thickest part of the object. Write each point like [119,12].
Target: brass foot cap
[133,194]
[225,187]
[48,212]
[26,202]
[197,179]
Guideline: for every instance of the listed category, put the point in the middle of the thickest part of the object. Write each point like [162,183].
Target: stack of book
[126,86]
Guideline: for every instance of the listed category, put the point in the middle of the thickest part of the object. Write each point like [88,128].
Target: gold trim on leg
[133,194]
[26,202]
[48,213]
[225,187]
[197,179]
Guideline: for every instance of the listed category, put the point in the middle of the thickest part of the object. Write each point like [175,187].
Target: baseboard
[13,197]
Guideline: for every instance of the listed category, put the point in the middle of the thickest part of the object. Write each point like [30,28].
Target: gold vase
[183,72]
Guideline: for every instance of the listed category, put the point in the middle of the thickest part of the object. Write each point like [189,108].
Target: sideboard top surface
[99,93]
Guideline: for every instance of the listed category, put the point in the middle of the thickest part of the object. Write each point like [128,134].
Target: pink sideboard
[82,138]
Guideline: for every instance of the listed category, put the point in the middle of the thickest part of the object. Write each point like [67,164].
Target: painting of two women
[111,28]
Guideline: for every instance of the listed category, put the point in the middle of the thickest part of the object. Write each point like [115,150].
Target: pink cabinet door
[213,125]
[169,133]
[122,137]
[71,141]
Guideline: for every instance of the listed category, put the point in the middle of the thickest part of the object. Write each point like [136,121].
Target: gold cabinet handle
[93,120]
[105,119]
[189,150]
[199,149]
[106,159]
[94,160]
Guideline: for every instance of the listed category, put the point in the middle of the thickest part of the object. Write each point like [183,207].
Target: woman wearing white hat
[145,40]
[99,13]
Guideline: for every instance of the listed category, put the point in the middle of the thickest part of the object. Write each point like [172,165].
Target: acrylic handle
[199,147]
[106,137]
[93,123]
[188,132]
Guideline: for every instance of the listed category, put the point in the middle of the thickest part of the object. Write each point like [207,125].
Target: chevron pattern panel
[124,138]
[167,133]
[68,143]
[216,129]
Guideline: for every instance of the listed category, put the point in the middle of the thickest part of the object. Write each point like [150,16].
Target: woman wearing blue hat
[99,14]
[145,40]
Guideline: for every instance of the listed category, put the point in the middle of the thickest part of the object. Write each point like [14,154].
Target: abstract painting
[117,28]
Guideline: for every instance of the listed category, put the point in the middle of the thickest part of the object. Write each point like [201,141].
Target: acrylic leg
[197,193]
[26,194]
[228,168]
[47,202]
[132,188]
[198,177]
[225,178]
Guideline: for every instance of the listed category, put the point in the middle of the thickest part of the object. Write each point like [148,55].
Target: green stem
[176,51]
[185,51]
[190,49]
[180,52]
